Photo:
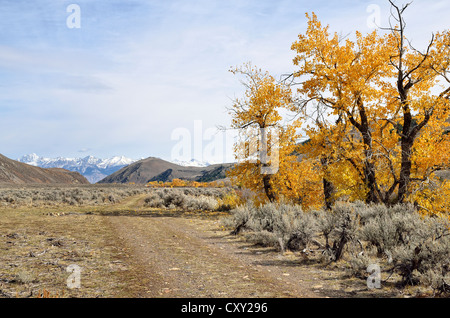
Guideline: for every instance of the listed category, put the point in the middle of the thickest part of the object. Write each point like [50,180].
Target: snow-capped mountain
[191,163]
[94,169]
[116,161]
[32,159]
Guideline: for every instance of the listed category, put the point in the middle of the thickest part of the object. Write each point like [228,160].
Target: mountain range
[96,169]
[156,169]
[15,172]
[92,168]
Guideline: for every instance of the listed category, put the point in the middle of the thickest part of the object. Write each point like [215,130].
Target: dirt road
[184,255]
[189,258]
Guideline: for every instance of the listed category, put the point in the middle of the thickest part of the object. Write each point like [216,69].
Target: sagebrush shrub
[388,227]
[46,195]
[201,203]
[358,265]
[190,199]
[175,199]
[426,256]
[280,225]
[239,218]
[339,227]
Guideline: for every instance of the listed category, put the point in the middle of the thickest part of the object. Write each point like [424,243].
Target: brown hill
[16,172]
[155,169]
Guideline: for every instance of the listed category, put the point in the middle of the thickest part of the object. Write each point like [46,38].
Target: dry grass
[40,238]
[38,243]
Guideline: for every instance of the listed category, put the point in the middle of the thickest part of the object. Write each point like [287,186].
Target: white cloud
[136,71]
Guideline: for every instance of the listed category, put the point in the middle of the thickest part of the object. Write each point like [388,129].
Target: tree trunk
[328,188]
[407,140]
[369,168]
[405,170]
[369,173]
[268,188]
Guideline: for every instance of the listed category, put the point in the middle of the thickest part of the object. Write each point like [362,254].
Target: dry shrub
[415,247]
[278,225]
[189,199]
[50,195]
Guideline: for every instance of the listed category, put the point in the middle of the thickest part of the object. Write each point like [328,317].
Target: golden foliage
[281,176]
[178,183]
[376,111]
[380,129]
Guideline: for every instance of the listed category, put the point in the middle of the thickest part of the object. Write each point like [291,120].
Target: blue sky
[137,71]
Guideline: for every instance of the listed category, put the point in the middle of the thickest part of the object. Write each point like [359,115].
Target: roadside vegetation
[65,195]
[409,249]
[354,174]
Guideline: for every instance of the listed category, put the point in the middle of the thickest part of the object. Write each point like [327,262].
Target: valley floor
[125,250]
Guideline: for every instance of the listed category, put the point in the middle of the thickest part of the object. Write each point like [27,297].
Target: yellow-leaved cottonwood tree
[267,163]
[378,107]
[388,137]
